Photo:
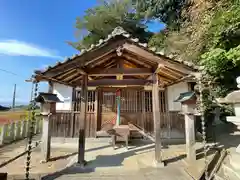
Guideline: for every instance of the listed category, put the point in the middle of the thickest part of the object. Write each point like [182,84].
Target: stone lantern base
[236,121]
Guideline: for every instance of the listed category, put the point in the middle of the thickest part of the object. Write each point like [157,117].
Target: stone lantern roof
[233,97]
[186,96]
[47,98]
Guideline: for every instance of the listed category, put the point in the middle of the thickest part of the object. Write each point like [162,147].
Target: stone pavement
[14,150]
[103,162]
[135,163]
[165,173]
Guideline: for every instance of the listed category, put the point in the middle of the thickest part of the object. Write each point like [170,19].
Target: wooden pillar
[72,111]
[50,87]
[143,110]
[190,137]
[96,111]
[118,96]
[81,140]
[156,118]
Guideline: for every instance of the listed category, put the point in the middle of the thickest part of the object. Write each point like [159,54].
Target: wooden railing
[17,130]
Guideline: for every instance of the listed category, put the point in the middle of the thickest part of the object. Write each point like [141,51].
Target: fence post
[23,126]
[3,134]
[18,130]
[12,131]
[37,126]
[27,127]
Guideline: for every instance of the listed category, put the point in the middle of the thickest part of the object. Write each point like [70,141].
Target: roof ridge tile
[120,31]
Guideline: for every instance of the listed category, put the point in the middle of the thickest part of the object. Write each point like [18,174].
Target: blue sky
[33,34]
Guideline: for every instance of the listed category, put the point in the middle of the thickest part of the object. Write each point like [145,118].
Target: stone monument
[234,99]
[48,106]
[188,104]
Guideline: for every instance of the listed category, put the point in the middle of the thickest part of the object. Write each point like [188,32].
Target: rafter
[132,59]
[74,79]
[82,72]
[61,75]
[100,61]
[87,58]
[155,58]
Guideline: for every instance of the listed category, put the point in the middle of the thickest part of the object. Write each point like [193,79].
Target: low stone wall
[17,130]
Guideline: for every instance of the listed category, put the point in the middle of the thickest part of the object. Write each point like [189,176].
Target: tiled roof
[119,31]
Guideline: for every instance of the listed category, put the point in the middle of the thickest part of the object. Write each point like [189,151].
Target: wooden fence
[18,130]
[136,108]
[66,124]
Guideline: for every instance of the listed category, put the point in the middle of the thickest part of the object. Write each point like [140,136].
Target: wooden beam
[107,64]
[149,88]
[128,64]
[156,58]
[81,140]
[62,75]
[50,87]
[45,78]
[156,118]
[88,57]
[140,58]
[79,70]
[163,78]
[167,75]
[73,107]
[163,75]
[136,61]
[123,71]
[180,80]
[98,62]
[75,79]
[72,76]
[113,82]
[172,71]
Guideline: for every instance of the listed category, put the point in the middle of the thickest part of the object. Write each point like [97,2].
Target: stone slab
[238,149]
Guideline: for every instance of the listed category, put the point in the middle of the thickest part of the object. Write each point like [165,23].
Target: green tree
[99,21]
[167,11]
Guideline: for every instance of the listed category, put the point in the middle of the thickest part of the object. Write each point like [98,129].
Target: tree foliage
[167,11]
[206,32]
[99,21]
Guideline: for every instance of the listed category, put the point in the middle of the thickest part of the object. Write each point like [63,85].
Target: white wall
[64,93]
[173,92]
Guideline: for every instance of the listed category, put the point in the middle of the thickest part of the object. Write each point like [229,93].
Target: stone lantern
[188,106]
[48,106]
[234,99]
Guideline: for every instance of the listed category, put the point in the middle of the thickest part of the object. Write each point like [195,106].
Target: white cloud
[19,48]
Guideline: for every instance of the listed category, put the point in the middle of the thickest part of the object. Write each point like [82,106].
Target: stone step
[234,159]
[230,172]
[220,177]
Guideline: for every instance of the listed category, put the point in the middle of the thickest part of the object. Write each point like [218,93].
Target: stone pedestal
[190,137]
[236,121]
[46,139]
[238,149]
